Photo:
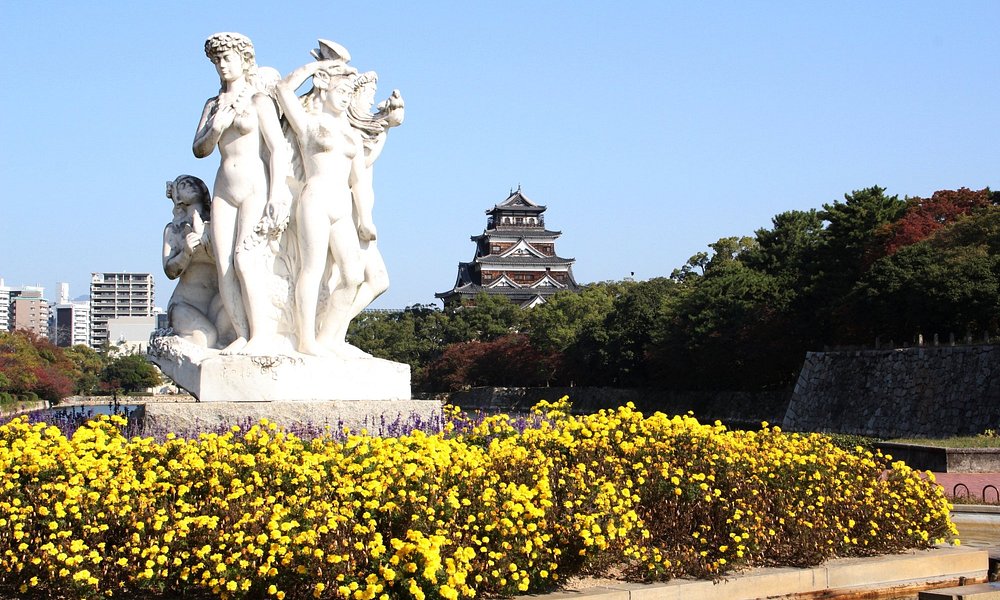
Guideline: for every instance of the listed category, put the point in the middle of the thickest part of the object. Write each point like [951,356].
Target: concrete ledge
[379,417]
[987,509]
[843,578]
[982,591]
[905,568]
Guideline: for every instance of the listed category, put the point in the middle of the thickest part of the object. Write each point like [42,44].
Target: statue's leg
[313,235]
[253,267]
[191,324]
[223,326]
[224,242]
[376,281]
[347,258]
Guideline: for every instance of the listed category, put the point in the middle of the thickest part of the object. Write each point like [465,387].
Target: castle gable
[522,248]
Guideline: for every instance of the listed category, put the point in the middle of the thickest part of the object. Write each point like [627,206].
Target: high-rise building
[4,307]
[114,295]
[71,320]
[515,257]
[29,311]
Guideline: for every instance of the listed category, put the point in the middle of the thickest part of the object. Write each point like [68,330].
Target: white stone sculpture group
[282,254]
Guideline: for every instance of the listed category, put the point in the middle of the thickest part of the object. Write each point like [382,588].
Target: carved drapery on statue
[287,254]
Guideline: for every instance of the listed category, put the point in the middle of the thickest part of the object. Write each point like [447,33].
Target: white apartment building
[115,295]
[4,306]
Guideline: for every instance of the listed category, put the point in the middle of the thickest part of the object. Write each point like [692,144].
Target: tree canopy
[32,367]
[739,315]
[131,373]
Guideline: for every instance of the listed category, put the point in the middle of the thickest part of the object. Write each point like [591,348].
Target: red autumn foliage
[51,384]
[924,216]
[510,360]
[30,364]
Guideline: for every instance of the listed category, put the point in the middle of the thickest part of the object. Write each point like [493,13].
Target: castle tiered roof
[515,257]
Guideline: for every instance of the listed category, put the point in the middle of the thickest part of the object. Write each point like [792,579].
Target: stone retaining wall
[22,406]
[732,408]
[910,392]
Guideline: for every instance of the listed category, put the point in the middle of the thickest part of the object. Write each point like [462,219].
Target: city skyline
[648,131]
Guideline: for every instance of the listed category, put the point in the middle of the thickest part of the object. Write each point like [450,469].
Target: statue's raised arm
[333,156]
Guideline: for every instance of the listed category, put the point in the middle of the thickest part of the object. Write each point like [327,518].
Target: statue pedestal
[377,417]
[212,377]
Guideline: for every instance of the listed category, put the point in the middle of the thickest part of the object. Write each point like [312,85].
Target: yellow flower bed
[482,509]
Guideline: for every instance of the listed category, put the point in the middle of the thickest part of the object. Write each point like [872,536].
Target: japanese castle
[515,257]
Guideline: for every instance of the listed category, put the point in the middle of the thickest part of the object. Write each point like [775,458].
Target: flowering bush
[488,507]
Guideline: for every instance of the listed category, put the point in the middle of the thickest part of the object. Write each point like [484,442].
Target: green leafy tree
[486,318]
[18,360]
[131,373]
[88,365]
[789,253]
[789,250]
[947,283]
[557,324]
[720,332]
[848,248]
[742,315]
[848,243]
[694,267]
[849,235]
[728,250]
[415,336]
[613,352]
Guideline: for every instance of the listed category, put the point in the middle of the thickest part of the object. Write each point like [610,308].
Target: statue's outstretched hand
[392,109]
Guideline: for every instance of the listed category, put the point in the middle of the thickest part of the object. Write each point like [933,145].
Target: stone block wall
[909,392]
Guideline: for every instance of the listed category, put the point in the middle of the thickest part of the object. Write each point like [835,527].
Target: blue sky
[649,129]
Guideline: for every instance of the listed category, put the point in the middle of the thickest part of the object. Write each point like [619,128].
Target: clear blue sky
[649,129]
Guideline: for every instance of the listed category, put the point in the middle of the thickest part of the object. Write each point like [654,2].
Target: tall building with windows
[70,320]
[4,306]
[114,295]
[29,311]
[515,257]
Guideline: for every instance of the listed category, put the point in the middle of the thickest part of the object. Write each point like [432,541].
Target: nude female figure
[195,308]
[333,160]
[373,128]
[250,184]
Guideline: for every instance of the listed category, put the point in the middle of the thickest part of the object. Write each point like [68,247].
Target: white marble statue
[373,128]
[334,189]
[195,309]
[270,280]
[242,121]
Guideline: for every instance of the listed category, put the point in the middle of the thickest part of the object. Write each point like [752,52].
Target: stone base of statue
[305,419]
[212,377]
